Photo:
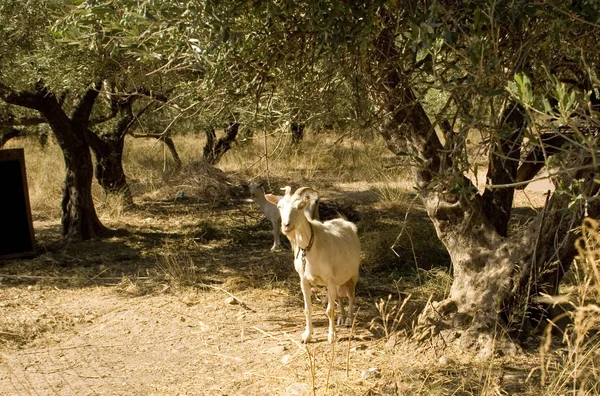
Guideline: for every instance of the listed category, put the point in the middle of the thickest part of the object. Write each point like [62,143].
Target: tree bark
[171,146]
[7,127]
[79,219]
[543,253]
[550,143]
[108,167]
[502,167]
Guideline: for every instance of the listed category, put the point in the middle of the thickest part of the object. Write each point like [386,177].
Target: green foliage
[268,63]
[28,53]
[307,60]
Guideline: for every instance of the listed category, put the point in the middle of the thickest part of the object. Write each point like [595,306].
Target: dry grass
[183,259]
[575,369]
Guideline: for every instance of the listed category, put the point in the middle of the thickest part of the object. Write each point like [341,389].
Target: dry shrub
[434,283]
[131,286]
[238,283]
[199,181]
[179,270]
[112,206]
[392,186]
[377,250]
[577,369]
[406,248]
[321,157]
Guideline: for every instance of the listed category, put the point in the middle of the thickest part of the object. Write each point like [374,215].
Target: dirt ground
[195,343]
[116,317]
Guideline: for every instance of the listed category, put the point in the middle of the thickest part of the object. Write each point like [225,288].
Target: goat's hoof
[306,337]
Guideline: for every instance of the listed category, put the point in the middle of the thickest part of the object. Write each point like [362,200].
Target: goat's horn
[307,193]
[288,190]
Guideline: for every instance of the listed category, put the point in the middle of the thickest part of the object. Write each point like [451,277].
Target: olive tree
[66,85]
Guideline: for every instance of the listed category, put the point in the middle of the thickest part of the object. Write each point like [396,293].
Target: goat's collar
[310,242]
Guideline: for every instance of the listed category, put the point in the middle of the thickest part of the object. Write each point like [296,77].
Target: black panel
[16,231]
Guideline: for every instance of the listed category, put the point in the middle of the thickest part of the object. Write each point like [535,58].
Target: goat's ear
[313,209]
[307,194]
[272,198]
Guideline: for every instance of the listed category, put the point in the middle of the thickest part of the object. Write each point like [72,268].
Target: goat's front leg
[305,286]
[276,235]
[331,296]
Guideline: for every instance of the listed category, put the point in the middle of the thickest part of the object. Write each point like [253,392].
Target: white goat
[325,253]
[270,211]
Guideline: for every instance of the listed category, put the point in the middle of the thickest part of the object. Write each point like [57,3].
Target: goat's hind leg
[347,290]
[350,317]
[340,318]
[342,315]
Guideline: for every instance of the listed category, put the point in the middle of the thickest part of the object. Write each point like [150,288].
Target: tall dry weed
[576,370]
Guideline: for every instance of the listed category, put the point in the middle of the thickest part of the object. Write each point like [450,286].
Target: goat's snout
[286,227]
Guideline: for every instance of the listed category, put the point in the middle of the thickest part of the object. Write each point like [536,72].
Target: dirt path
[96,342]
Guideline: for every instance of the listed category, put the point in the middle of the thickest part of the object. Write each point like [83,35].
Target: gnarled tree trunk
[79,219]
[297,132]
[168,142]
[108,168]
[215,148]
[496,275]
[108,150]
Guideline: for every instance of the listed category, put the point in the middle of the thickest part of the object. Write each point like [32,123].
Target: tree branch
[127,118]
[144,92]
[169,143]
[114,110]
[12,121]
[7,134]
[83,109]
[27,99]
[535,160]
